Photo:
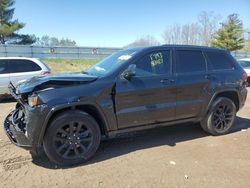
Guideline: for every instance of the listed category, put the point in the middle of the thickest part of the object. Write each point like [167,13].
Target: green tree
[9,27]
[230,35]
[53,41]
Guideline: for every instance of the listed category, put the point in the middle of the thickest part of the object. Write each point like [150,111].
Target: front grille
[18,119]
[8,131]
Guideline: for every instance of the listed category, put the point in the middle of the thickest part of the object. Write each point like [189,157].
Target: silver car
[18,69]
[245,63]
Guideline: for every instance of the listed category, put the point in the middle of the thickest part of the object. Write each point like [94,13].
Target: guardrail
[240,54]
[55,52]
[71,52]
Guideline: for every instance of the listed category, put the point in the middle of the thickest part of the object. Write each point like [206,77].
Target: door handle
[166,80]
[210,76]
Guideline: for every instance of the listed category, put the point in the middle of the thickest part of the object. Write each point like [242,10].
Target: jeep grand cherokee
[134,89]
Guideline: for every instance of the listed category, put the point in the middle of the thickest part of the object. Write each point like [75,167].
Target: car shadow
[7,100]
[131,142]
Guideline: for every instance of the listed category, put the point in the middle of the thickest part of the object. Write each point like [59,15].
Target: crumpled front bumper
[15,133]
[24,125]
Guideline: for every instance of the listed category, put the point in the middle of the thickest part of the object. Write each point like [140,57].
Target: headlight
[33,101]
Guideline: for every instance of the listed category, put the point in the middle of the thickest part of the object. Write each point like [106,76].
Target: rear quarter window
[220,61]
[17,66]
[188,61]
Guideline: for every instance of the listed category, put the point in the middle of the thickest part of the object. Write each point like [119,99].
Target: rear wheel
[72,138]
[220,118]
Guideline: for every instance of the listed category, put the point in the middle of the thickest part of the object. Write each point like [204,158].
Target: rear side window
[220,61]
[188,61]
[17,66]
[3,66]
[154,63]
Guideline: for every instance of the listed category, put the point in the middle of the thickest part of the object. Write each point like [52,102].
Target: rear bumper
[15,134]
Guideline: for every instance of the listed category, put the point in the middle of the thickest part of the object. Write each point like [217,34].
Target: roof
[179,46]
[26,58]
[190,46]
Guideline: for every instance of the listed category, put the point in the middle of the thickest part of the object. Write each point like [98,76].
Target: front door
[148,97]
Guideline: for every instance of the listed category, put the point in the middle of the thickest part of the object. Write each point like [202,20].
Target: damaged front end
[22,125]
[15,127]
[36,98]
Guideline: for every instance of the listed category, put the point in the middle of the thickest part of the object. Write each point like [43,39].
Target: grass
[69,65]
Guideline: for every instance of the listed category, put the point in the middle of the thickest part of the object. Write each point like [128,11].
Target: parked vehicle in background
[18,69]
[245,63]
[134,89]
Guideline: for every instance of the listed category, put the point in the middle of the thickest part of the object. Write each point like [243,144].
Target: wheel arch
[231,94]
[88,108]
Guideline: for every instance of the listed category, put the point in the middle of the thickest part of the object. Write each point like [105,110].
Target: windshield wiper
[85,72]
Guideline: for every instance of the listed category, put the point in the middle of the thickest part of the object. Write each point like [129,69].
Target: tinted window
[190,61]
[3,67]
[219,61]
[154,63]
[16,66]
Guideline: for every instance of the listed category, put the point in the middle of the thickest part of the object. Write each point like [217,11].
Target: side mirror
[129,72]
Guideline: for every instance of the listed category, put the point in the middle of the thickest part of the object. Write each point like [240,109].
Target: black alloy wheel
[72,138]
[220,117]
[223,117]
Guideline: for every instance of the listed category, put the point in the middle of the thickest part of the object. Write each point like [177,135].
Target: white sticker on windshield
[124,57]
[100,69]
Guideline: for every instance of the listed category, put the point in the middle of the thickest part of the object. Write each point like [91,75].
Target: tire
[72,138]
[220,118]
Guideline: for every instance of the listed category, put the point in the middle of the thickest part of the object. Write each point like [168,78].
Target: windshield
[112,62]
[245,64]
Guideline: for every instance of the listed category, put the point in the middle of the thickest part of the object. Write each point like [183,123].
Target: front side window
[3,67]
[19,65]
[190,61]
[154,63]
[220,61]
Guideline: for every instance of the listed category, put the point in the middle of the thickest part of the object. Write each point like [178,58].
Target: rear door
[149,97]
[21,69]
[4,77]
[192,83]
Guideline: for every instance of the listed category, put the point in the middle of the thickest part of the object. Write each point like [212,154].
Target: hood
[53,81]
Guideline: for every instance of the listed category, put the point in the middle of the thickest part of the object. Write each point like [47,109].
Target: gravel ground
[177,156]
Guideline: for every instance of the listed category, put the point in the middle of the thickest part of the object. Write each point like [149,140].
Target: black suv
[134,89]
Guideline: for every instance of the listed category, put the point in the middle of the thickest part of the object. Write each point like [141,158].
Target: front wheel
[72,138]
[220,117]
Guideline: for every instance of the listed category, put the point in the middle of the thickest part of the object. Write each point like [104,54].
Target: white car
[245,63]
[18,69]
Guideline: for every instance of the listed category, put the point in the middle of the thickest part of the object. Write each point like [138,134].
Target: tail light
[244,77]
[45,72]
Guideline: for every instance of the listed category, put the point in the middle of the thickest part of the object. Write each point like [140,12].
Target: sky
[116,23]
